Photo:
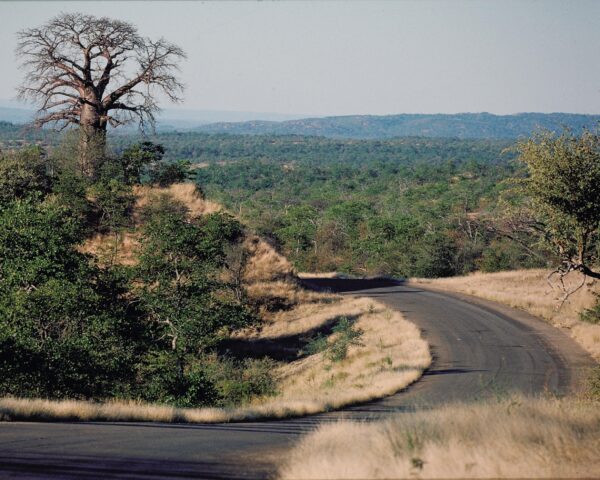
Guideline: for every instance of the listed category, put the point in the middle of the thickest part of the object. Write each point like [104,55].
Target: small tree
[178,278]
[165,174]
[136,158]
[23,173]
[94,72]
[563,183]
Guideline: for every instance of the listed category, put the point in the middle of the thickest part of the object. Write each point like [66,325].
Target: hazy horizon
[171,109]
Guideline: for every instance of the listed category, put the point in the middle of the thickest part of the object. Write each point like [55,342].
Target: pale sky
[361,57]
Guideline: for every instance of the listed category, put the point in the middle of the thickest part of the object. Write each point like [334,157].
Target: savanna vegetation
[77,325]
[129,287]
[406,207]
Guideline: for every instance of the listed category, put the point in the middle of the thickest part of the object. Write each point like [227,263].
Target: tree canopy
[564,184]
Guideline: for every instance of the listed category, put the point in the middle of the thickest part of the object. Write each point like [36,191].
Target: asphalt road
[480,349]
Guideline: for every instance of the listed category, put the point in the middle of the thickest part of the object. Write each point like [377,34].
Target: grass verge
[516,437]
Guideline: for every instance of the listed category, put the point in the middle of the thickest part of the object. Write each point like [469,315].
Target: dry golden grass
[529,290]
[186,193]
[518,437]
[108,249]
[390,356]
[321,275]
[15,409]
[264,263]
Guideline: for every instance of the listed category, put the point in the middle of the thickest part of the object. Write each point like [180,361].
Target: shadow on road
[339,285]
[77,467]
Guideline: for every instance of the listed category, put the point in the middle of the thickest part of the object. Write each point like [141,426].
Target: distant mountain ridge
[461,125]
[363,127]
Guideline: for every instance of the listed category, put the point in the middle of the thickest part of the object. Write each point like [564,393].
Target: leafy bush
[345,336]
[70,191]
[165,174]
[238,382]
[336,346]
[135,159]
[594,383]
[316,345]
[165,380]
[592,315]
[23,174]
[113,200]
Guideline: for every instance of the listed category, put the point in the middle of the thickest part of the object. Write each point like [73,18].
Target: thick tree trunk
[92,139]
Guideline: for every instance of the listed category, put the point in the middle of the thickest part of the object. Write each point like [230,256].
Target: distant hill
[364,127]
[16,115]
[462,125]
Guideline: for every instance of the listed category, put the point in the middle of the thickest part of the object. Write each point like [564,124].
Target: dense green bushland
[70,327]
[405,206]
[408,207]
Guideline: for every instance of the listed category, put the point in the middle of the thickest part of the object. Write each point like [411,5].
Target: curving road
[480,348]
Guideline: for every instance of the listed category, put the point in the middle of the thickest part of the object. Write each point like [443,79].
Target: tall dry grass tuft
[529,290]
[517,437]
[185,193]
[264,263]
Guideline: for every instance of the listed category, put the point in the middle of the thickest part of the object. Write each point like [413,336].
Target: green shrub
[345,336]
[593,389]
[134,160]
[316,344]
[23,174]
[238,382]
[336,346]
[165,174]
[592,315]
[166,380]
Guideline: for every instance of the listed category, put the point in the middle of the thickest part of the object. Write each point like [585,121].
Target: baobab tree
[93,72]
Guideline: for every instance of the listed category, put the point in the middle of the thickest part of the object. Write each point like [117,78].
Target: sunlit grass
[516,437]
